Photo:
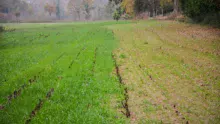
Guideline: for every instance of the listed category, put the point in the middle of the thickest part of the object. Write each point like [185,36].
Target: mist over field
[54,10]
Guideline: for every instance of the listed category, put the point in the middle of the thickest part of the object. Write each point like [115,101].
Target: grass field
[110,72]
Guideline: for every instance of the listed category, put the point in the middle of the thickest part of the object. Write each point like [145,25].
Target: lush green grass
[74,59]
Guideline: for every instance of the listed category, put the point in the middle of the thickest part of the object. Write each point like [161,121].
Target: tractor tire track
[77,56]
[39,106]
[94,60]
[17,92]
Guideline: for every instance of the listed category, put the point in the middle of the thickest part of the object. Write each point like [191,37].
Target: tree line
[207,11]
[57,9]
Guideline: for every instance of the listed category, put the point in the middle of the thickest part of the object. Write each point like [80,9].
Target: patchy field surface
[171,71]
[108,72]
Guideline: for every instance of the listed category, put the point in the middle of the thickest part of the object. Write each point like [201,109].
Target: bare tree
[87,7]
[75,7]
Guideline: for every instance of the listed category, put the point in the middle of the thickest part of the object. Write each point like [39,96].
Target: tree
[30,9]
[141,6]
[176,6]
[164,4]
[58,9]
[110,9]
[198,10]
[128,5]
[87,4]
[17,15]
[13,5]
[50,8]
[75,7]
[116,1]
[116,15]
[151,6]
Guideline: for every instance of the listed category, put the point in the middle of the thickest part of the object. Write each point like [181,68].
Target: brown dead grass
[174,78]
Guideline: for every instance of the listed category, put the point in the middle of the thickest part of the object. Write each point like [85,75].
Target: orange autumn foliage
[129,6]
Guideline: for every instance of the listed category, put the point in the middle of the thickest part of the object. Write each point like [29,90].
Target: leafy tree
[116,15]
[151,6]
[164,4]
[118,12]
[202,11]
[141,6]
[128,5]
[116,1]
[198,9]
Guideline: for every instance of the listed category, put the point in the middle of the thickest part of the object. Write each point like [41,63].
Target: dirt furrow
[125,105]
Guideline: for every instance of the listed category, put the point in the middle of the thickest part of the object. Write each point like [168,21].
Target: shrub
[116,15]
[122,56]
[1,28]
[202,11]
[6,29]
[212,19]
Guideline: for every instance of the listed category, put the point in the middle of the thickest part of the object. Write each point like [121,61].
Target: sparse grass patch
[178,66]
[122,56]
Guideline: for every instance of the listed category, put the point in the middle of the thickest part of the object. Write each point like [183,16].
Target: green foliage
[122,56]
[1,28]
[196,8]
[206,11]
[116,15]
[6,29]
[212,19]
[116,1]
[140,6]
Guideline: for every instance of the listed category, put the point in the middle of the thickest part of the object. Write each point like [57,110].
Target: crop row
[17,92]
